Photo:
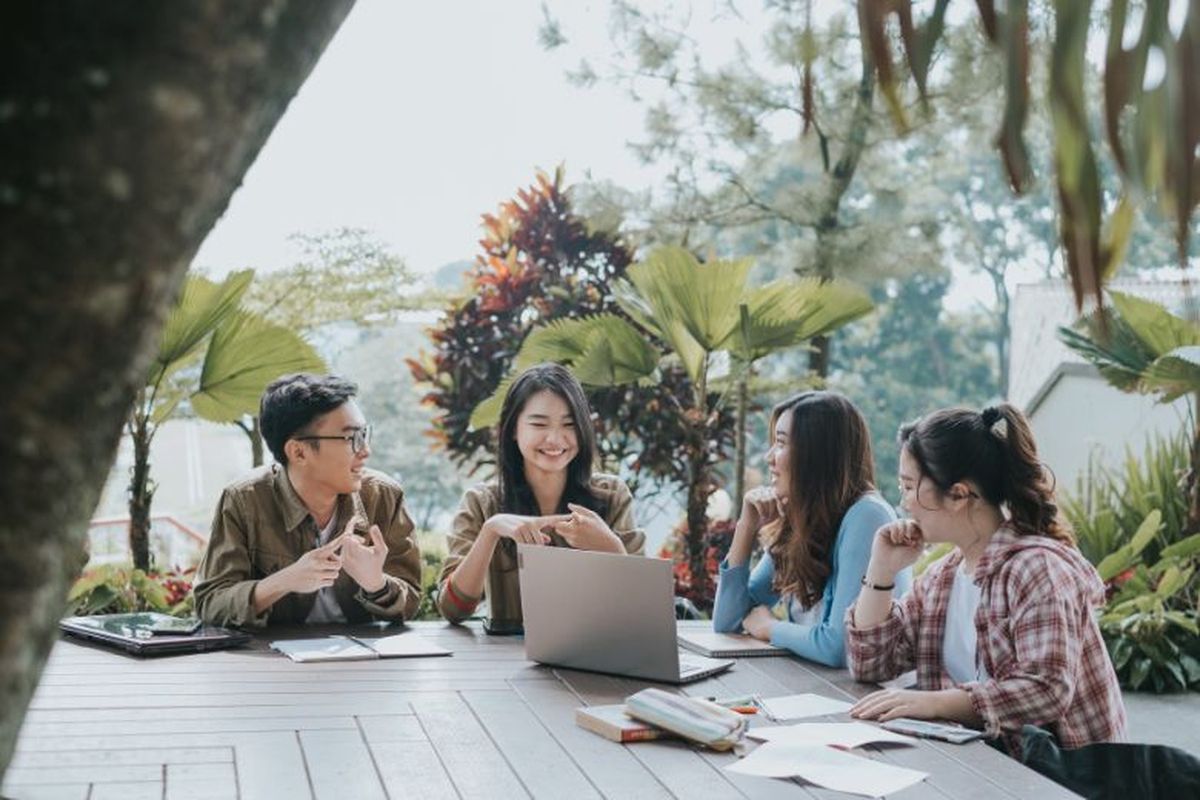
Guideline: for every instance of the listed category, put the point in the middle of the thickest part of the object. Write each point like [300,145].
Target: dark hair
[995,450]
[290,403]
[831,466]
[515,495]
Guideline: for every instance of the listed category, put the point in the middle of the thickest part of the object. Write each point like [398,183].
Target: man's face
[332,463]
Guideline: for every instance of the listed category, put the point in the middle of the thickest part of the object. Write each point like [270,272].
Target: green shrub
[1131,523]
[433,553]
[1108,505]
[119,588]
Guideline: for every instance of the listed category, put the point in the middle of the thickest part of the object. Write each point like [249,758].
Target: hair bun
[994,421]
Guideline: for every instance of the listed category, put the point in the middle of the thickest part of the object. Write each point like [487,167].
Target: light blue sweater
[738,590]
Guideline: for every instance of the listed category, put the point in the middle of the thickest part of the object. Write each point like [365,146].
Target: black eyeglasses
[359,439]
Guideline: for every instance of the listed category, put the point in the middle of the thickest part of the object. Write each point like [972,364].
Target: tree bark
[837,183]
[141,493]
[125,128]
[739,461]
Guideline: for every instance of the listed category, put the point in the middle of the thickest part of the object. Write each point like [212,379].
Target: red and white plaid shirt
[1037,637]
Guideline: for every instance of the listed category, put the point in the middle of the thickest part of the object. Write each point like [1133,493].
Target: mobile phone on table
[503,627]
[955,734]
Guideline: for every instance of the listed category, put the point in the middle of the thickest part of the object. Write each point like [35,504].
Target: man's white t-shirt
[326,609]
[959,651]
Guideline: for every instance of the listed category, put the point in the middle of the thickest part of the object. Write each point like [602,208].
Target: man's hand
[758,623]
[314,570]
[584,529]
[363,561]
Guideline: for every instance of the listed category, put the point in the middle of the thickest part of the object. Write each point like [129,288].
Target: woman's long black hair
[515,495]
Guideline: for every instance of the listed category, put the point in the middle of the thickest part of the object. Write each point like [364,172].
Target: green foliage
[433,553]
[342,275]
[541,263]
[215,358]
[120,588]
[697,310]
[911,358]
[1132,524]
[1108,505]
[1150,127]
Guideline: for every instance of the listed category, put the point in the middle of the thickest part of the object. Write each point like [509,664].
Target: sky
[418,118]
[421,117]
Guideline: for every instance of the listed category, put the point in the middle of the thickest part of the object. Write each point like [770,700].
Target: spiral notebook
[348,648]
[727,645]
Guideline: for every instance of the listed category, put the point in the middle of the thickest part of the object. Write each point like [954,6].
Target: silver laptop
[605,613]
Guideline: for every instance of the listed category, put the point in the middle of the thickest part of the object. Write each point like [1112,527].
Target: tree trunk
[256,442]
[141,493]
[837,182]
[739,461]
[126,126]
[699,488]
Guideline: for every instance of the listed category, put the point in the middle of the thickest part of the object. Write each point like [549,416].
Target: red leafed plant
[539,262]
[701,590]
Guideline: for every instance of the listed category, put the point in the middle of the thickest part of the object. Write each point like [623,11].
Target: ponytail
[995,449]
[1024,489]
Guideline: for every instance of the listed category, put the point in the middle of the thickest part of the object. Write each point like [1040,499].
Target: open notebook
[348,648]
[726,645]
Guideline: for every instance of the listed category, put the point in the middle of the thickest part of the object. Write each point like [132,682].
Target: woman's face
[546,433]
[779,456]
[921,500]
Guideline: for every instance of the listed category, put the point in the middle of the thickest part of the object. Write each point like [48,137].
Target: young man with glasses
[316,537]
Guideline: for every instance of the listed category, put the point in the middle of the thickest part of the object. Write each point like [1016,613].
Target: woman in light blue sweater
[816,518]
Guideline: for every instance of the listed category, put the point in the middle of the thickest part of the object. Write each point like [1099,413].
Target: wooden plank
[127,791]
[412,769]
[183,690]
[352,702]
[200,782]
[340,765]
[470,757]
[169,727]
[545,768]
[187,716]
[270,765]
[50,791]
[114,757]
[93,773]
[390,728]
[610,767]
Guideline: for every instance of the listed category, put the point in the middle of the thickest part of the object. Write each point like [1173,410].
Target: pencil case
[694,719]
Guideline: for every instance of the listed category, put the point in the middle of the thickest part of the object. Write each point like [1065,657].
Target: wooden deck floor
[484,723]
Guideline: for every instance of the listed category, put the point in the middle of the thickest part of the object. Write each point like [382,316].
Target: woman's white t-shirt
[958,644]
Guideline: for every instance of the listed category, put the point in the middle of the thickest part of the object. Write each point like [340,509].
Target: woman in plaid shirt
[1002,630]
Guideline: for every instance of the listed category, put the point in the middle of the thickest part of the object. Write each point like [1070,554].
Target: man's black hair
[290,403]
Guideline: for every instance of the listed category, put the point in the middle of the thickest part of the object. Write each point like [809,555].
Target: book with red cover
[611,723]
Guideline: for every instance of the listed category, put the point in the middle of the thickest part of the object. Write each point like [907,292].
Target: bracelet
[878,586]
[378,594]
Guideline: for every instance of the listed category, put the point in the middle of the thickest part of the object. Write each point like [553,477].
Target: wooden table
[483,723]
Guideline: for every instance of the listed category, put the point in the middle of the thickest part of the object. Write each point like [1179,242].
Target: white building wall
[1082,416]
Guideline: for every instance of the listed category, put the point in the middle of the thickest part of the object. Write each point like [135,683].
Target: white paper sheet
[907,680]
[798,706]
[828,768]
[835,734]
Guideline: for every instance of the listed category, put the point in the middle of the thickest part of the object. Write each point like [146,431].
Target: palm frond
[202,306]
[246,353]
